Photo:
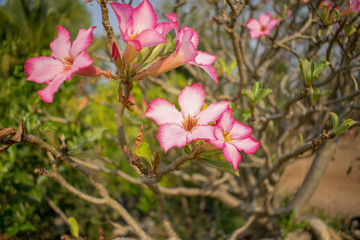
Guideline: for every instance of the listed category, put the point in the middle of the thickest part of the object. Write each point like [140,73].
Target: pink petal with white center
[61,45]
[81,61]
[220,140]
[171,135]
[162,112]
[191,99]
[42,69]
[227,121]
[240,131]
[264,19]
[232,155]
[212,113]
[253,24]
[82,41]
[47,94]
[149,38]
[144,17]
[206,133]
[248,145]
[124,14]
[185,47]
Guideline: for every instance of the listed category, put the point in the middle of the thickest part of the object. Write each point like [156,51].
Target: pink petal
[227,121]
[190,33]
[219,134]
[47,94]
[253,24]
[172,135]
[144,17]
[149,38]
[135,43]
[202,133]
[232,155]
[124,15]
[42,69]
[61,45]
[204,58]
[185,47]
[172,17]
[212,113]
[81,61]
[271,25]
[248,145]
[264,19]
[255,33]
[164,27]
[82,41]
[240,131]
[162,112]
[209,70]
[191,99]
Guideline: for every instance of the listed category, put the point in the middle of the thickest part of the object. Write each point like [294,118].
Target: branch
[235,234]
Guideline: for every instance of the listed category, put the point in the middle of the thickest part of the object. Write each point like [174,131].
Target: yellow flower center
[189,123]
[227,137]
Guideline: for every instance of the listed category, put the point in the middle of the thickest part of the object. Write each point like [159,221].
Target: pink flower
[187,41]
[353,7]
[233,137]
[139,26]
[328,4]
[261,27]
[65,60]
[178,129]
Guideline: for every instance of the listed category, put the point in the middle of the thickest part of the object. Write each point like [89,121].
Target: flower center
[68,62]
[262,28]
[227,137]
[189,123]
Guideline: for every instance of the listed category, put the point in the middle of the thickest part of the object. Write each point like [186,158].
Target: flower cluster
[179,128]
[141,33]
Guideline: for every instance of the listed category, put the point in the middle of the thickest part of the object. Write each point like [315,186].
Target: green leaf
[144,151]
[262,94]
[337,14]
[349,170]
[52,137]
[74,227]
[249,95]
[349,29]
[344,126]
[27,227]
[155,52]
[301,139]
[220,165]
[97,134]
[256,88]
[335,120]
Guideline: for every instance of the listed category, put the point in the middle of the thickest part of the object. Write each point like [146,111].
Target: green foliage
[287,223]
[74,227]
[144,151]
[343,127]
[257,94]
[310,71]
